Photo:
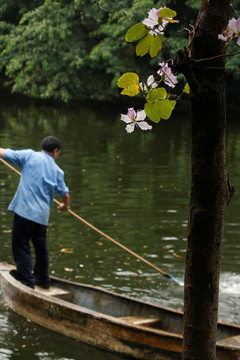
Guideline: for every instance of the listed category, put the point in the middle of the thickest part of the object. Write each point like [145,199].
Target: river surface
[133,187]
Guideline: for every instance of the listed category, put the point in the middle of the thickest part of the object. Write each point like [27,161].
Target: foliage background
[74,50]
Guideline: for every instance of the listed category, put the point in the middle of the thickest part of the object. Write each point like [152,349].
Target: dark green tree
[68,50]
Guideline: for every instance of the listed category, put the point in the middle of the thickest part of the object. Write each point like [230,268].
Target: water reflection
[135,188]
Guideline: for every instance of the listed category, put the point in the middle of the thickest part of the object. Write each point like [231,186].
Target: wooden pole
[105,235]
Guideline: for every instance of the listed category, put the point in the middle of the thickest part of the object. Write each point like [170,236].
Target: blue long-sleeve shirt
[40,178]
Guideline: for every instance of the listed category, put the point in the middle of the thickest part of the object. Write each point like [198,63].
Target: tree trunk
[210,189]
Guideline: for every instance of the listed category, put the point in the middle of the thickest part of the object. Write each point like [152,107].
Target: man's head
[51,144]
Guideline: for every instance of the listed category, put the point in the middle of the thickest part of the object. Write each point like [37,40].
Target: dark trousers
[23,231]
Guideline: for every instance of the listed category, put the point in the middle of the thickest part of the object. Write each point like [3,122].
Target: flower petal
[131,113]
[151,82]
[222,37]
[157,31]
[154,14]
[171,80]
[126,119]
[232,24]
[168,77]
[238,24]
[140,115]
[130,127]
[149,23]
[144,125]
[143,86]
[152,20]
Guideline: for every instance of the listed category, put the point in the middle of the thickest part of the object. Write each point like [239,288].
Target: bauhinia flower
[233,30]
[152,21]
[234,25]
[156,22]
[167,75]
[151,84]
[134,118]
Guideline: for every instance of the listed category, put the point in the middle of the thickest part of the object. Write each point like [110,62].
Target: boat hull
[105,320]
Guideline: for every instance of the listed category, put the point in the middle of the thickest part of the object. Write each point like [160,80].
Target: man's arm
[64,206]
[2,152]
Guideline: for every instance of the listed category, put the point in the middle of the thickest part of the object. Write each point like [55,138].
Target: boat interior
[123,308]
[132,311]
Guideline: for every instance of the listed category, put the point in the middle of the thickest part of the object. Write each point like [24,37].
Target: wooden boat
[107,320]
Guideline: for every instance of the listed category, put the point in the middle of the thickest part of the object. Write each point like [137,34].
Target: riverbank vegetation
[69,50]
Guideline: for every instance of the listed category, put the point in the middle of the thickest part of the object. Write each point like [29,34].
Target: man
[40,178]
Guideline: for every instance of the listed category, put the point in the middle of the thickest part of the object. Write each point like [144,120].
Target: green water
[133,187]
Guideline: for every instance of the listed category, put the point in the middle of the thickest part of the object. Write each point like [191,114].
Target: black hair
[50,143]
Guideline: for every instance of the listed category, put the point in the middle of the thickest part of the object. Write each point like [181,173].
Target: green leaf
[131,90]
[130,84]
[127,79]
[136,32]
[143,45]
[167,13]
[156,46]
[186,89]
[156,94]
[149,43]
[159,110]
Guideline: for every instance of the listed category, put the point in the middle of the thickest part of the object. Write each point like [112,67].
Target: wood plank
[4,266]
[141,320]
[233,340]
[56,292]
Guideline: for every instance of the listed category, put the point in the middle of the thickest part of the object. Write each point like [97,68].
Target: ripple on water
[229,292]
[5,354]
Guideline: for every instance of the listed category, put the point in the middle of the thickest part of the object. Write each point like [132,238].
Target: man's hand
[64,206]
[1,152]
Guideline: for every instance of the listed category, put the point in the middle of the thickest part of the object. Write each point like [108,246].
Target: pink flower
[234,25]
[233,30]
[167,75]
[222,37]
[151,84]
[152,21]
[134,118]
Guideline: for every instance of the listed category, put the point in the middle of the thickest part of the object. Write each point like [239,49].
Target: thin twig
[235,10]
[120,8]
[216,57]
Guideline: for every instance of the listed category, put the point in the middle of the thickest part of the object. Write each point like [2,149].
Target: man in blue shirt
[40,178]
